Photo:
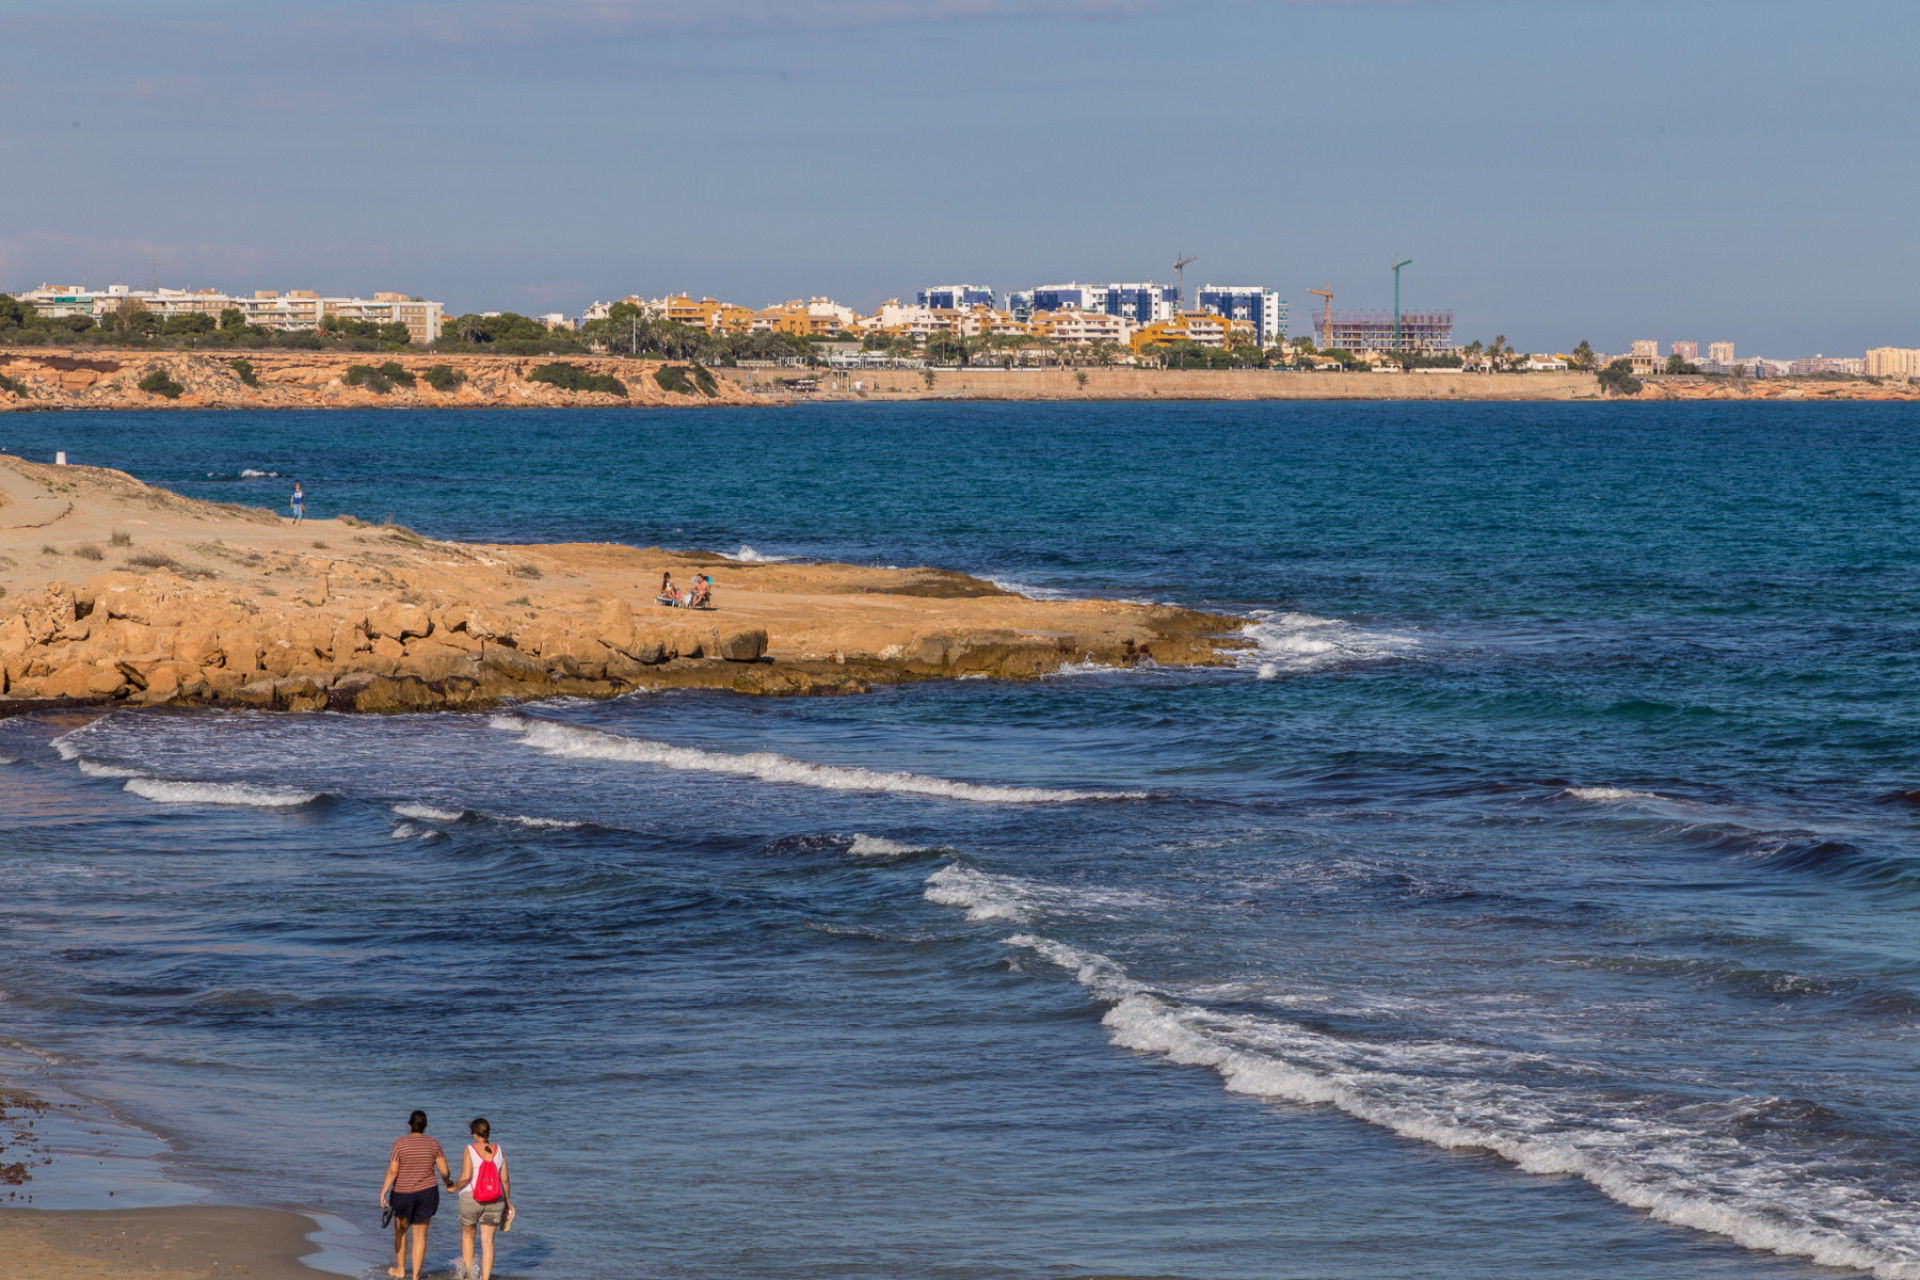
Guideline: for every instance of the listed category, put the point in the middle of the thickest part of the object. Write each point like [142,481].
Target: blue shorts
[415,1206]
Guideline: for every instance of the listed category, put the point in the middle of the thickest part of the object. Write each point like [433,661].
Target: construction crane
[1180,265]
[1326,338]
[1397,264]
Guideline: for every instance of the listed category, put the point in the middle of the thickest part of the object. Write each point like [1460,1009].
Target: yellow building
[1893,362]
[1204,329]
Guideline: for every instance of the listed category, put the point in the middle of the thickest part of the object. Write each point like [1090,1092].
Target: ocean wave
[94,769]
[1294,643]
[571,742]
[985,896]
[429,813]
[167,791]
[413,831]
[1728,1166]
[1032,592]
[1609,795]
[747,555]
[865,846]
[7,760]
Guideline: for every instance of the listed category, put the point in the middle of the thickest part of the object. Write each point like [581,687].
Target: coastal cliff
[115,591]
[108,379]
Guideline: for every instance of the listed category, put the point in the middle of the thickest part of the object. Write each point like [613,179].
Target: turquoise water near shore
[1538,896]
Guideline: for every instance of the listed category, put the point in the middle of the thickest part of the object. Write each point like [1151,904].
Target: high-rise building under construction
[1427,332]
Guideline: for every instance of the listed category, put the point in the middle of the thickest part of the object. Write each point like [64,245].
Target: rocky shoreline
[229,606]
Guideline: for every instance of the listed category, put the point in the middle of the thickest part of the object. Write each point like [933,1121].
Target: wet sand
[188,1242]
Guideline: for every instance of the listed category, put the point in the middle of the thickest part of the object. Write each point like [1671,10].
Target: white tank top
[499,1162]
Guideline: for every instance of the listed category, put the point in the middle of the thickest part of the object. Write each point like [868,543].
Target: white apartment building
[294,310]
[1075,327]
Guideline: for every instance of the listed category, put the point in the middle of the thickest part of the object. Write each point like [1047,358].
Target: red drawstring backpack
[486,1179]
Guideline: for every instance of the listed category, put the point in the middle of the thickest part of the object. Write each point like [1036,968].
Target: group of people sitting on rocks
[699,596]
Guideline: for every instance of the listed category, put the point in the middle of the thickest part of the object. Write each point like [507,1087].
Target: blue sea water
[1538,896]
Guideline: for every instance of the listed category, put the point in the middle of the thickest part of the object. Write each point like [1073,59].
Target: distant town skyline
[1557,171]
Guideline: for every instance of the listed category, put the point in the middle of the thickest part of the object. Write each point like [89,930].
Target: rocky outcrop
[130,594]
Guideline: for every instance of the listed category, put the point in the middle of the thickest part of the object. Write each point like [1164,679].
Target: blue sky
[1557,169]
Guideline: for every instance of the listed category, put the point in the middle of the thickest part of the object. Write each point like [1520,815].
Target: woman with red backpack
[484,1193]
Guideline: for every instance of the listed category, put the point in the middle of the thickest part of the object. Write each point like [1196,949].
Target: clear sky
[1744,170]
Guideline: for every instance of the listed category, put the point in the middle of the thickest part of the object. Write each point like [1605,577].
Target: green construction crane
[1396,299]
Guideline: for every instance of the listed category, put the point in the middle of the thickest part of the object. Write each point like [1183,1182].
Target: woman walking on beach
[299,503]
[412,1191]
[484,1193]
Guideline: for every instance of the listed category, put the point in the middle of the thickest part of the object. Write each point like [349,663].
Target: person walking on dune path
[412,1191]
[299,503]
[484,1192]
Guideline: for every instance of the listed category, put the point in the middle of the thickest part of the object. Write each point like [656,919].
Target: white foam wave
[1032,592]
[576,743]
[747,555]
[1291,643]
[166,791]
[248,473]
[7,760]
[1608,795]
[427,813]
[94,769]
[865,846]
[985,896]
[1682,1161]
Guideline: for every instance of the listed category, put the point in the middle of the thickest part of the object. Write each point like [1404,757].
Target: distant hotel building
[1720,353]
[1260,307]
[267,309]
[1645,356]
[1688,351]
[956,297]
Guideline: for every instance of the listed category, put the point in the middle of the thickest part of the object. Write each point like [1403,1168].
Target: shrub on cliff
[158,383]
[444,377]
[687,381]
[365,375]
[1617,379]
[396,373]
[571,377]
[8,384]
[243,369]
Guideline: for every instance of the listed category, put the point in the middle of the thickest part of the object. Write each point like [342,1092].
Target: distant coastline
[47,378]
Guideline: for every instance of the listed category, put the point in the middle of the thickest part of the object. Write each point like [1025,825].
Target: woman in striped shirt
[412,1191]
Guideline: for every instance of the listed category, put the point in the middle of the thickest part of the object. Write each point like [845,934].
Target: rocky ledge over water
[113,591]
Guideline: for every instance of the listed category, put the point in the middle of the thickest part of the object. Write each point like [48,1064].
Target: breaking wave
[1609,795]
[165,791]
[984,896]
[576,743]
[1293,643]
[747,555]
[428,813]
[1768,1173]
[865,846]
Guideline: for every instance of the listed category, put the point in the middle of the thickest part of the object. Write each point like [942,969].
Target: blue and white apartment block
[1264,308]
[1140,303]
[956,297]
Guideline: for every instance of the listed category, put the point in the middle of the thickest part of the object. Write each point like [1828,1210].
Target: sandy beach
[190,1242]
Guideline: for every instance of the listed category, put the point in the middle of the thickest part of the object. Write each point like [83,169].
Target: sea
[1536,893]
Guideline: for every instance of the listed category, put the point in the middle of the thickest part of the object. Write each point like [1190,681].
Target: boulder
[399,621]
[747,645]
